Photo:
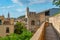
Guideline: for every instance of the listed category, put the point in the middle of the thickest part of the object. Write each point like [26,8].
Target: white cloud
[20,9]
[30,1]
[39,1]
[50,1]
[17,2]
[36,1]
[2,7]
[10,6]
[7,7]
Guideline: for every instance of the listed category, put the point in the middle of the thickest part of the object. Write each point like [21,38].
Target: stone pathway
[50,33]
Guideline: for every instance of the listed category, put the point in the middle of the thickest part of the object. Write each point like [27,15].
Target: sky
[17,8]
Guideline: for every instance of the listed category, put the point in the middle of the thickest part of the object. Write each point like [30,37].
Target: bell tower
[26,16]
[8,15]
[27,12]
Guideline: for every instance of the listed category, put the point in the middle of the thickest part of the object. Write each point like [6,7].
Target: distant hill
[56,13]
[53,11]
[21,16]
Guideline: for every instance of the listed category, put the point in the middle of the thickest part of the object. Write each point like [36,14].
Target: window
[32,22]
[47,13]
[0,22]
[7,30]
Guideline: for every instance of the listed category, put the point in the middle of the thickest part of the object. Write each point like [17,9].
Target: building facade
[6,26]
[34,20]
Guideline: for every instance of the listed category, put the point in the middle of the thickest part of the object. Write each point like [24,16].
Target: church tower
[26,16]
[27,12]
[8,15]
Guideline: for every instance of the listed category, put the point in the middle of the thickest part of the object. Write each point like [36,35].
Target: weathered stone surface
[4,24]
[50,33]
[56,22]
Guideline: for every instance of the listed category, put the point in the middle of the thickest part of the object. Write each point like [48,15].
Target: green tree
[56,2]
[19,28]
[21,33]
[26,35]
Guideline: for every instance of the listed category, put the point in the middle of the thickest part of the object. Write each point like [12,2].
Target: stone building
[34,20]
[22,20]
[6,26]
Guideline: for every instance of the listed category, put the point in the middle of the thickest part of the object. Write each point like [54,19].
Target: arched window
[7,29]
[32,22]
[0,22]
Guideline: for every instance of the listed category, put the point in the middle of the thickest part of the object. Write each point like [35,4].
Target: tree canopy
[56,2]
[19,28]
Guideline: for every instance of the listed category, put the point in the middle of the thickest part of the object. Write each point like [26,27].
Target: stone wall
[6,24]
[3,30]
[38,18]
[39,35]
[56,22]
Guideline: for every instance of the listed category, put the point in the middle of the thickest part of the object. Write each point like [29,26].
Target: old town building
[34,20]
[6,25]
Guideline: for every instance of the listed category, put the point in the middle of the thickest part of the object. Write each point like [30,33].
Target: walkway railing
[39,35]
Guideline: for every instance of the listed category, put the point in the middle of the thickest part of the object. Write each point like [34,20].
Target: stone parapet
[56,23]
[39,35]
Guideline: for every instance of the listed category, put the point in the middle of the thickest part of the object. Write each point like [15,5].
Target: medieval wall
[56,22]
[34,20]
